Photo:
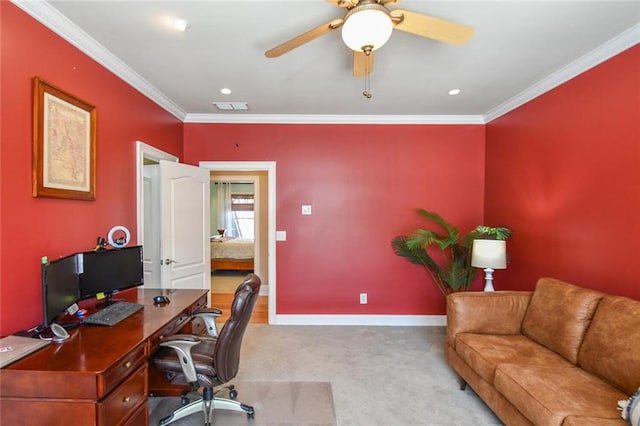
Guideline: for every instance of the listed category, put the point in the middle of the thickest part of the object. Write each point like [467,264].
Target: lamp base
[488,280]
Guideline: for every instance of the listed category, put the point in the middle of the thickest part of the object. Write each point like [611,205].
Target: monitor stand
[108,300]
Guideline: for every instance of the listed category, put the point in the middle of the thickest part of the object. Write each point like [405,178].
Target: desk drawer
[120,370]
[196,326]
[124,399]
[172,328]
[139,418]
[201,303]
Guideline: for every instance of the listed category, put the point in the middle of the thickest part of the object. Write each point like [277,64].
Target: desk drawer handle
[127,364]
[126,399]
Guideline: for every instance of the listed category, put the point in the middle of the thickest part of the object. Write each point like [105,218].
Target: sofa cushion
[484,352]
[611,346]
[546,395]
[558,316]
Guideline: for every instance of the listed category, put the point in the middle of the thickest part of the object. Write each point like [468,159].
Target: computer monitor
[109,271]
[60,287]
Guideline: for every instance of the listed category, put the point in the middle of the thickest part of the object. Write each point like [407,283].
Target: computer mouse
[159,300]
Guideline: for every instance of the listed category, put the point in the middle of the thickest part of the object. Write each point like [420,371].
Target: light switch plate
[306,209]
[281,235]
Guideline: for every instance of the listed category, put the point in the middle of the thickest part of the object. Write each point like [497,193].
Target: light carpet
[379,376]
[275,403]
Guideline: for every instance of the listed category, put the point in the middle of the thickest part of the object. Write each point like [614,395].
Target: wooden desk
[99,375]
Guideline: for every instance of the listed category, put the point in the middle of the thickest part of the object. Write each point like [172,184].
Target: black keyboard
[113,314]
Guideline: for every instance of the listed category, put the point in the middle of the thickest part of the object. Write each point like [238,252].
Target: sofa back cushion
[611,346]
[559,315]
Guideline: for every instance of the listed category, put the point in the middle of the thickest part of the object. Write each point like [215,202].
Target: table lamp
[490,255]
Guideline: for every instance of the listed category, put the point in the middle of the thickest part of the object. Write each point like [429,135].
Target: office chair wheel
[233,394]
[249,410]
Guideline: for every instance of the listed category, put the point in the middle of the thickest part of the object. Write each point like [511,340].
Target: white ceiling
[520,49]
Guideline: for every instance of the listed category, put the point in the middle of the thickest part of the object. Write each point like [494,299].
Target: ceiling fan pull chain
[367,79]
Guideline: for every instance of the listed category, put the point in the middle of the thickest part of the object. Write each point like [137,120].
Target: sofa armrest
[499,312]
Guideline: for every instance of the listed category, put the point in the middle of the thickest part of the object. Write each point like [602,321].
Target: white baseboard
[377,320]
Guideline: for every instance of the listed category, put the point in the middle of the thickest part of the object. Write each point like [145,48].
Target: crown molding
[333,119]
[51,18]
[607,50]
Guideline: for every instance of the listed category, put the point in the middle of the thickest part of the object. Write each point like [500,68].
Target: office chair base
[207,407]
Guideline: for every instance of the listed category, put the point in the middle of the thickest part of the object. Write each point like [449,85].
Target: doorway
[238,240]
[268,198]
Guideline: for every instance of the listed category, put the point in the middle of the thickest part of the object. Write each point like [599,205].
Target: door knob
[168,261]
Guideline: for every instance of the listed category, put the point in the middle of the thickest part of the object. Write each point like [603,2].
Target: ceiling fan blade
[431,27]
[304,38]
[360,65]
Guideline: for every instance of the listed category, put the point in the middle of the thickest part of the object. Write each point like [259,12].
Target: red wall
[34,227]
[564,172]
[364,184]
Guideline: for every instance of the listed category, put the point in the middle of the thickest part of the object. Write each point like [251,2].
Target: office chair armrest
[208,316]
[182,344]
[211,311]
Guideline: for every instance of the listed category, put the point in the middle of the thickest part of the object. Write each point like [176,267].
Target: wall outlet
[363,298]
[306,209]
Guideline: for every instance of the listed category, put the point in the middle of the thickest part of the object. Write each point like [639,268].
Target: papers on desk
[12,348]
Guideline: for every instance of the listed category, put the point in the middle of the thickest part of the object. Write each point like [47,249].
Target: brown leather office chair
[208,362]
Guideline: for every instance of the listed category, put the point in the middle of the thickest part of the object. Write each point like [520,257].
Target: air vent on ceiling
[231,106]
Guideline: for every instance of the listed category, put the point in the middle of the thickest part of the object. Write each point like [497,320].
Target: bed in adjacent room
[232,254]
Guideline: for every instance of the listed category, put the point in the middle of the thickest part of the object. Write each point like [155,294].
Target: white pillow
[631,409]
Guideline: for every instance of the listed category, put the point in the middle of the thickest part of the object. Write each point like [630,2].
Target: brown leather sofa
[560,355]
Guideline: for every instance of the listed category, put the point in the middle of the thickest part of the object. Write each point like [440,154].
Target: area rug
[275,404]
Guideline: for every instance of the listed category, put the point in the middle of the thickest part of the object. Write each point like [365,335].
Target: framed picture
[64,144]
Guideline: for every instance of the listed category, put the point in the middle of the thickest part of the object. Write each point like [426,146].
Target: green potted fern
[454,272]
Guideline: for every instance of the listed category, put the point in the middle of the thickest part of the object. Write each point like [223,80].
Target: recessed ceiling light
[454,92]
[225,91]
[180,24]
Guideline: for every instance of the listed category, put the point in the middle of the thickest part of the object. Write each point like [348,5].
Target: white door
[185,224]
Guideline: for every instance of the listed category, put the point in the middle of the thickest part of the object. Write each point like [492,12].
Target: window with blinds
[243,213]
[242,202]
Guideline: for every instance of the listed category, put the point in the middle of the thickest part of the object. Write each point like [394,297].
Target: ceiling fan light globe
[366,28]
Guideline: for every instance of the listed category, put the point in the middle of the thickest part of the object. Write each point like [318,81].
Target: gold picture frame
[64,144]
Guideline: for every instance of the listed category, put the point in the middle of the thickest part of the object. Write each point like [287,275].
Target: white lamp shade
[366,28]
[489,254]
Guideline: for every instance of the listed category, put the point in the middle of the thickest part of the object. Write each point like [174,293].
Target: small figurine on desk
[101,244]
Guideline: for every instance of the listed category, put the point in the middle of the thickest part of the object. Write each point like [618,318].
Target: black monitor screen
[108,271]
[60,287]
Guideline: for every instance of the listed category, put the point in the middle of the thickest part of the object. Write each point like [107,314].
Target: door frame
[145,152]
[270,168]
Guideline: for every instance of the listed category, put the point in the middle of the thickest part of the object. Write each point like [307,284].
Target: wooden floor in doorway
[223,301]
[223,285]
